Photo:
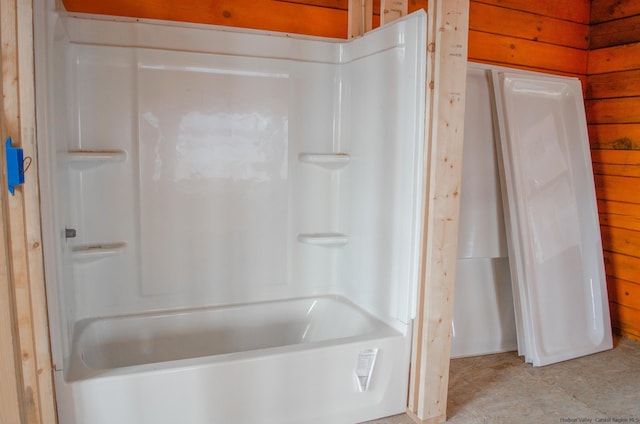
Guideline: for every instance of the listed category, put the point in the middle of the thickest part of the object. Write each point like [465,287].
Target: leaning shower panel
[530,269]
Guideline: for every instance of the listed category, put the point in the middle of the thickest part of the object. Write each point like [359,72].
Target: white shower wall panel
[210,195]
[214,173]
[384,170]
[102,194]
[556,247]
[483,317]
[206,189]
[482,231]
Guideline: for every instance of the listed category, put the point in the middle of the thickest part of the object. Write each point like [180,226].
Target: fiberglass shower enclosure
[230,209]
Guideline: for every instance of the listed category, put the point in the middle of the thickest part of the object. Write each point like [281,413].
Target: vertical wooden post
[446,77]
[390,10]
[21,247]
[10,394]
[360,19]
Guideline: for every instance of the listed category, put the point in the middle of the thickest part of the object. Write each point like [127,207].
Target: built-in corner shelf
[94,252]
[87,158]
[324,239]
[326,160]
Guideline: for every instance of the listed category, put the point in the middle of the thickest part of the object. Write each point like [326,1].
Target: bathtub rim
[76,368]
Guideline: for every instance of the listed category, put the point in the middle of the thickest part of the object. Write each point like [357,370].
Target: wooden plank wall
[326,18]
[613,114]
[543,35]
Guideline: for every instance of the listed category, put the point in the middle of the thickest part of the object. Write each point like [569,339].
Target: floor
[501,388]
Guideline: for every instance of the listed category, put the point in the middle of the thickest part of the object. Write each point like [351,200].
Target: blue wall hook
[15,166]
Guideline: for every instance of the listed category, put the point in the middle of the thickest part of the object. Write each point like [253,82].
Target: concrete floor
[501,388]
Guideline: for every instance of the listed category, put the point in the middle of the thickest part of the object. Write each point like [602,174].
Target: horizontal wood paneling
[544,36]
[334,4]
[621,110]
[627,320]
[614,59]
[621,240]
[625,293]
[413,5]
[614,33]
[258,14]
[505,50]
[619,189]
[616,162]
[576,10]
[623,267]
[483,17]
[613,109]
[619,214]
[326,18]
[608,10]
[618,84]
[614,136]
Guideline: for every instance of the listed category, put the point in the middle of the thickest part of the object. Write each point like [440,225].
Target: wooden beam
[446,75]
[390,10]
[21,222]
[360,17]
[10,393]
[11,390]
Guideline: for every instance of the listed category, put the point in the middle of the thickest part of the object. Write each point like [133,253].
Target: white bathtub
[291,361]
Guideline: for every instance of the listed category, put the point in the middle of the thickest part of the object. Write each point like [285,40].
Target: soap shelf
[326,160]
[95,157]
[324,239]
[94,252]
